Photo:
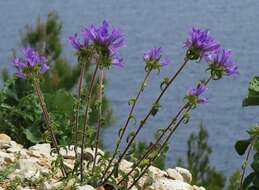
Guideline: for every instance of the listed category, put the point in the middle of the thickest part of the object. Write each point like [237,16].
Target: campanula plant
[100,45]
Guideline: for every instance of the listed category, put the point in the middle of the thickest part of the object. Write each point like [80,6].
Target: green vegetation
[21,116]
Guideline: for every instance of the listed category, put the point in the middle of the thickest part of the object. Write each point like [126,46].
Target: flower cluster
[31,65]
[193,96]
[152,58]
[221,63]
[199,43]
[105,43]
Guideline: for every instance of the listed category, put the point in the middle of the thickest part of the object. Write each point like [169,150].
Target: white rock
[168,184]
[35,153]
[69,154]
[198,188]
[26,165]
[43,149]
[156,172]
[174,174]
[49,186]
[4,138]
[29,174]
[23,188]
[13,150]
[7,157]
[85,187]
[125,165]
[187,176]
[4,141]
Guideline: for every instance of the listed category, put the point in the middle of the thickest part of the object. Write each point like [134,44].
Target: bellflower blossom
[153,59]
[107,43]
[200,43]
[221,63]
[194,95]
[32,64]
[75,42]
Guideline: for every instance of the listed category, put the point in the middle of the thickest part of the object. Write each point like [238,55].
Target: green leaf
[248,180]
[33,135]
[255,166]
[241,146]
[60,101]
[253,93]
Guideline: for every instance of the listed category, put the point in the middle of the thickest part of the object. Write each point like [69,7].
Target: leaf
[241,146]
[255,166]
[33,135]
[130,135]
[60,101]
[253,93]
[248,180]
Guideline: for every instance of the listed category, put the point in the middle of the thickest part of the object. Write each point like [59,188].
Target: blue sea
[150,23]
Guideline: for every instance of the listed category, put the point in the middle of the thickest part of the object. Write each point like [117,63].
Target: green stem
[153,146]
[160,150]
[48,123]
[89,96]
[172,131]
[80,86]
[245,162]
[147,116]
[141,89]
[100,98]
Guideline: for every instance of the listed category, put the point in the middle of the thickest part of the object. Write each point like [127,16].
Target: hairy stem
[245,164]
[48,123]
[80,87]
[88,99]
[142,123]
[172,131]
[100,98]
[153,146]
[141,89]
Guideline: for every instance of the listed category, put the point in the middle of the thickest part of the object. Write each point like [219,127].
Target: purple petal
[165,62]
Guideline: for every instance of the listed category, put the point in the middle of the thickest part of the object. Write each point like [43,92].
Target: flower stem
[172,131]
[48,123]
[153,146]
[147,116]
[89,96]
[100,98]
[80,87]
[245,164]
[141,89]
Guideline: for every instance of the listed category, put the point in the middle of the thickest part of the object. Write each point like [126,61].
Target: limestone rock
[4,141]
[187,176]
[125,165]
[69,153]
[49,186]
[26,165]
[174,174]
[4,138]
[35,153]
[156,172]
[85,187]
[44,149]
[7,157]
[167,184]
[198,188]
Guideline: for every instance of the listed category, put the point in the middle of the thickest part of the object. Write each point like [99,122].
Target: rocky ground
[32,166]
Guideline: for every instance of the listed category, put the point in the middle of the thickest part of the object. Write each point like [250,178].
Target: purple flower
[194,95]
[105,42]
[199,43]
[32,63]
[221,63]
[152,58]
